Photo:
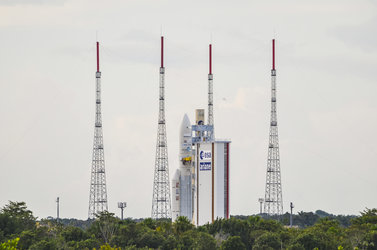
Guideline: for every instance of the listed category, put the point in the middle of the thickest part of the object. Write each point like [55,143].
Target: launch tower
[98,193]
[161,206]
[273,203]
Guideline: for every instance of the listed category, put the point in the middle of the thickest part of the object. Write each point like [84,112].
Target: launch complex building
[200,186]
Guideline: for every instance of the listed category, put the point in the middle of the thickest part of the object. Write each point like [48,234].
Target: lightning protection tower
[98,194]
[273,202]
[210,94]
[161,206]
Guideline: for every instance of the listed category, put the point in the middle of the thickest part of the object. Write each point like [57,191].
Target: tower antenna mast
[57,209]
[161,205]
[98,193]
[273,201]
[210,94]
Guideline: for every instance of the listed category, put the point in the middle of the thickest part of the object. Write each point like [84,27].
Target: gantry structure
[273,202]
[161,203]
[98,193]
[210,95]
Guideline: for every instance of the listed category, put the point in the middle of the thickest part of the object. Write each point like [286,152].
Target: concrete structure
[212,196]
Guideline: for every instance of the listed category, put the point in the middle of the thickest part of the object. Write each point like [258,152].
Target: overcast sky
[326,58]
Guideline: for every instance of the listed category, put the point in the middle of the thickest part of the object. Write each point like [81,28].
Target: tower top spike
[97,56]
[162,51]
[273,54]
[210,59]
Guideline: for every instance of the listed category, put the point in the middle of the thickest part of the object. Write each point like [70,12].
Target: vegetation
[19,229]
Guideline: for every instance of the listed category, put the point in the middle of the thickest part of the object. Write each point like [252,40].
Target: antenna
[273,54]
[162,51]
[261,200]
[97,56]
[98,192]
[122,205]
[57,209]
[291,218]
[210,95]
[161,202]
[210,59]
[273,200]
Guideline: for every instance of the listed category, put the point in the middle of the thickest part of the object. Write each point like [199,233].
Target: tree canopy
[19,229]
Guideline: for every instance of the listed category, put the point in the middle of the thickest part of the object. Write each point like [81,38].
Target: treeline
[20,229]
[306,219]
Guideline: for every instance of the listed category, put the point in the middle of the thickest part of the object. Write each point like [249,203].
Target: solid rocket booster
[176,197]
[185,161]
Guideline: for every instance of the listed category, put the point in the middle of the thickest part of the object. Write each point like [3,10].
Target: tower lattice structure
[273,203]
[98,193]
[210,94]
[161,203]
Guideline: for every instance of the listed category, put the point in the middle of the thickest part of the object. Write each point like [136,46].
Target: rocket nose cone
[185,133]
[186,125]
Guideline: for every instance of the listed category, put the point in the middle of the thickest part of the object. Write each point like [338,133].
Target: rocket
[182,182]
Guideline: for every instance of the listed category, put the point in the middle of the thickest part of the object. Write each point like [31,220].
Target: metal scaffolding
[161,205]
[273,202]
[210,95]
[98,194]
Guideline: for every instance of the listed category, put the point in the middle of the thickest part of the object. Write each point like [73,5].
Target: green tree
[170,243]
[71,233]
[296,246]
[149,222]
[233,242]
[10,244]
[268,240]
[88,244]
[151,239]
[204,241]
[27,238]
[15,218]
[181,225]
[187,240]
[105,226]
[368,216]
[44,245]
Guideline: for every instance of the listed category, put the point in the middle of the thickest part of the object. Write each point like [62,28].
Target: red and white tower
[161,203]
[98,193]
[273,202]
